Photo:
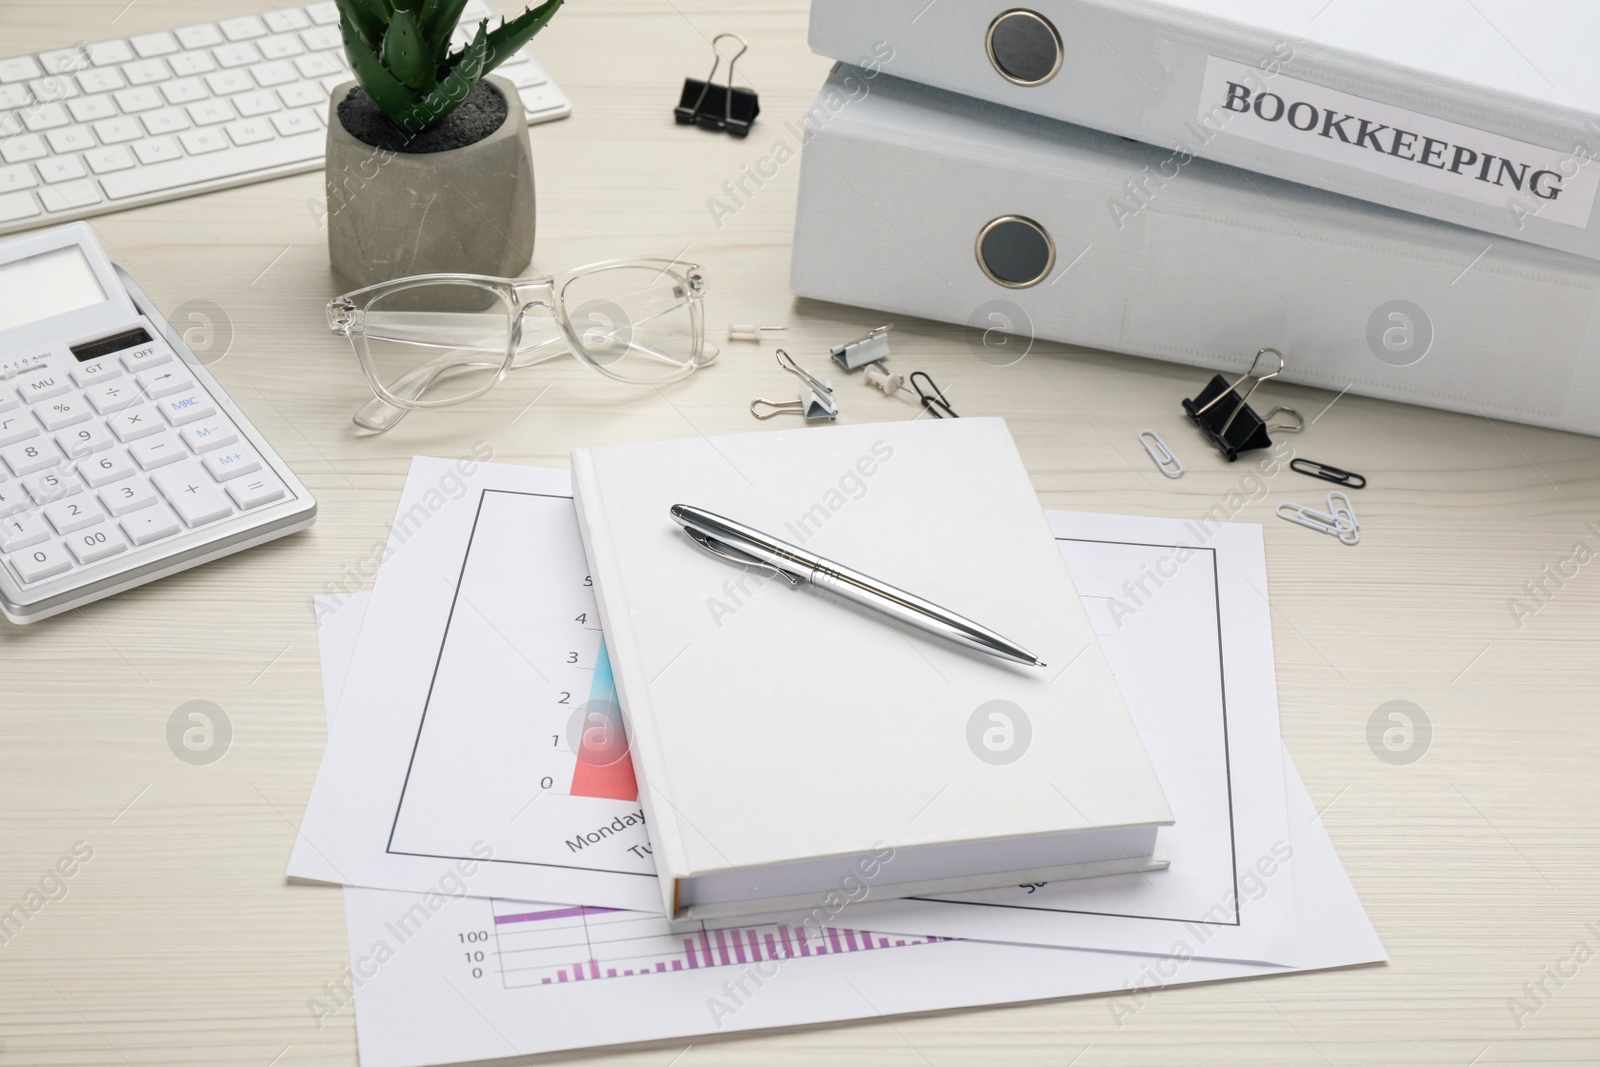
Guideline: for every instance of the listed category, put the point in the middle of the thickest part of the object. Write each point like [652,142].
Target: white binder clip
[853,355]
[749,331]
[816,402]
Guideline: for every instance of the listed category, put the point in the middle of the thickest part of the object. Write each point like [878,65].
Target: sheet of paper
[1183,618]
[441,978]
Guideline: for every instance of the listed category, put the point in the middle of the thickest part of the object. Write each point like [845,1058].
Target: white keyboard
[116,124]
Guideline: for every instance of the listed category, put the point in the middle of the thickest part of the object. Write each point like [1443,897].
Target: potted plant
[429,169]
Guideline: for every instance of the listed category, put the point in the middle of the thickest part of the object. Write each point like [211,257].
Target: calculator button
[94,372]
[109,397]
[92,546]
[7,401]
[12,498]
[149,355]
[153,452]
[212,433]
[84,440]
[63,412]
[166,381]
[100,470]
[41,385]
[187,407]
[194,495]
[127,496]
[21,530]
[74,514]
[51,485]
[149,524]
[134,423]
[41,561]
[232,463]
[254,491]
[30,456]
[16,426]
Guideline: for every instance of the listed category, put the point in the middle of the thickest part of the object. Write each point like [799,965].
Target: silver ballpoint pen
[738,543]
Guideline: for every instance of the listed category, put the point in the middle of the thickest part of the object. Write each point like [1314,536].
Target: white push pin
[879,375]
[749,331]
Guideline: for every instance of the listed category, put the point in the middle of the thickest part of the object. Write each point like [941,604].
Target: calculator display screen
[50,283]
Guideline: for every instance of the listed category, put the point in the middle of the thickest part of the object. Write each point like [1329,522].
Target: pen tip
[1039,663]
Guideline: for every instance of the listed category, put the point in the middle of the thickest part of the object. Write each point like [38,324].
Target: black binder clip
[713,107]
[1229,422]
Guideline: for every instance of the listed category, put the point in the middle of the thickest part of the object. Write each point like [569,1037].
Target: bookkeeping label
[1527,180]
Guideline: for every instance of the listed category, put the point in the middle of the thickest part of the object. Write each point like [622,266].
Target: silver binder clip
[853,355]
[816,402]
[1166,462]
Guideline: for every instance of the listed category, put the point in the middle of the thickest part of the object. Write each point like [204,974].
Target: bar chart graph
[603,768]
[553,946]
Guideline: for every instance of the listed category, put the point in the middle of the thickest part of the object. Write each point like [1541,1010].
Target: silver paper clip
[853,355]
[1339,520]
[816,402]
[1166,462]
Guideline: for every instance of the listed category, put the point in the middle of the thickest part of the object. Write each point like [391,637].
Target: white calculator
[121,458]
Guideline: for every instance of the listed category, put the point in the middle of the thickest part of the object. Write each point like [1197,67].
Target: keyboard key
[315,65]
[154,44]
[143,98]
[53,87]
[71,139]
[118,130]
[134,423]
[105,53]
[46,117]
[104,469]
[126,496]
[229,463]
[146,72]
[166,381]
[17,426]
[63,169]
[68,195]
[62,412]
[229,56]
[202,36]
[208,112]
[21,529]
[255,490]
[30,456]
[69,515]
[149,524]
[323,13]
[101,80]
[15,96]
[242,29]
[250,131]
[97,544]
[194,496]
[7,402]
[112,396]
[50,485]
[282,46]
[277,72]
[167,120]
[147,355]
[157,150]
[302,95]
[23,147]
[41,385]
[257,103]
[284,21]
[106,160]
[225,82]
[187,64]
[157,177]
[212,433]
[93,108]
[199,142]
[321,38]
[94,372]
[13,498]
[14,206]
[303,120]
[40,562]
[21,68]
[84,441]
[187,407]
[185,91]
[152,452]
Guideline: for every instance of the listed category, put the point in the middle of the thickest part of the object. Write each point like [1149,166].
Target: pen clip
[733,555]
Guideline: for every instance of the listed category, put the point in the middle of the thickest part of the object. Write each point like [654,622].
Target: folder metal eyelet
[1024,47]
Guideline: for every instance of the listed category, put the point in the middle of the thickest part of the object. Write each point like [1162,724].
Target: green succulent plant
[399,51]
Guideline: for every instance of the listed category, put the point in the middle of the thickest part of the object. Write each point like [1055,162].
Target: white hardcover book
[922,202]
[1484,113]
[793,752]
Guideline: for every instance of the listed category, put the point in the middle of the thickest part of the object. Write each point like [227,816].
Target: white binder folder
[1484,113]
[904,188]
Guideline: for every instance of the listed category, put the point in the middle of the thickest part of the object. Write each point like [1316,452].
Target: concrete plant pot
[464,210]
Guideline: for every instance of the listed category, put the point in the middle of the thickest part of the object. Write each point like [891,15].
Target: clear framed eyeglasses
[434,340]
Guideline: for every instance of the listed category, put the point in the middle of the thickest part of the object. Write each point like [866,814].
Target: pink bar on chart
[772,948]
[755,946]
[783,935]
[899,942]
[677,965]
[611,972]
[805,941]
[562,975]
[705,949]
[663,966]
[833,939]
[594,968]
[850,939]
[883,942]
[577,972]
[544,981]
[738,946]
[722,949]
[688,951]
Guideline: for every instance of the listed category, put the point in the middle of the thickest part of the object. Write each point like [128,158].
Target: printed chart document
[445,978]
